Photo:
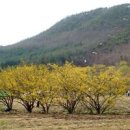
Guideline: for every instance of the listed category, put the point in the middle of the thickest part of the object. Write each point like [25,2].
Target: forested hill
[97,36]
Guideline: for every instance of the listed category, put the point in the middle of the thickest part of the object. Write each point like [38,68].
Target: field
[119,119]
[60,122]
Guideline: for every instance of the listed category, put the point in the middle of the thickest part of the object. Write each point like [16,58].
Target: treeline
[94,87]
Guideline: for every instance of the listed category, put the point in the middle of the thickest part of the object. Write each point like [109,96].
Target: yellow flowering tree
[124,68]
[70,82]
[7,88]
[102,86]
[26,79]
[47,88]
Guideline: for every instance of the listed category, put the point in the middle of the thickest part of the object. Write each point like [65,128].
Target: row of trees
[95,87]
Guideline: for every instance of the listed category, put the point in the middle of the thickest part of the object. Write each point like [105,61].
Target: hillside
[97,36]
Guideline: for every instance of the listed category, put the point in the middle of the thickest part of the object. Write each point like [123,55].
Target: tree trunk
[45,108]
[70,106]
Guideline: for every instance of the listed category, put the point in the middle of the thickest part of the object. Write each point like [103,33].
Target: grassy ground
[60,122]
[20,120]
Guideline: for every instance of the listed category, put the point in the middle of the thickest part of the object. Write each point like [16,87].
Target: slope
[97,36]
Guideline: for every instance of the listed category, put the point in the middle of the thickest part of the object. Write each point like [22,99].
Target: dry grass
[63,122]
[20,120]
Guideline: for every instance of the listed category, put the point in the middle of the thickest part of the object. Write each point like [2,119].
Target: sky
[21,19]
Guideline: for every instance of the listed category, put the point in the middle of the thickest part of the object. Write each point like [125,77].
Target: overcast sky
[20,19]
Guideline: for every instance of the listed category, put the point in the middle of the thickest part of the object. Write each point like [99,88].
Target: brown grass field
[119,119]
